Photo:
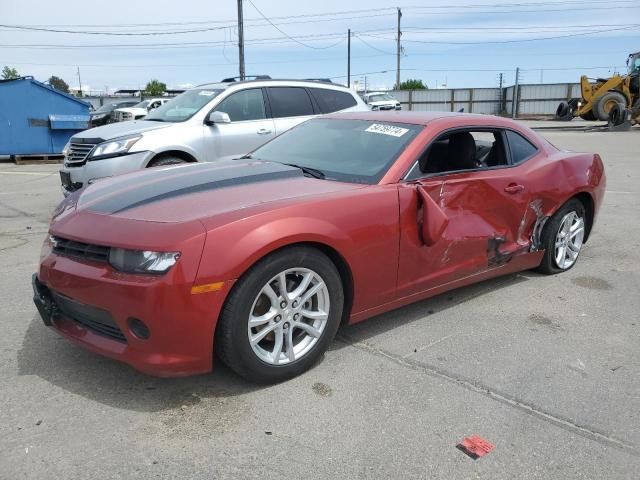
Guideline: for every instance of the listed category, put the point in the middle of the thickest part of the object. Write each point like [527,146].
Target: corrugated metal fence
[530,99]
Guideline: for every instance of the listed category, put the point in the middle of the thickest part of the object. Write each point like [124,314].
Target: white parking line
[27,173]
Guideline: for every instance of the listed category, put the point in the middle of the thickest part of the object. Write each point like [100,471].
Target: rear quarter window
[332,100]
[520,148]
[290,102]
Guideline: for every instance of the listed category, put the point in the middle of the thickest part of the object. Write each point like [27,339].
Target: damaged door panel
[475,222]
[490,209]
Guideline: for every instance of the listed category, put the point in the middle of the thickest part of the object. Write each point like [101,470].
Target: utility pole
[514,96]
[500,93]
[240,40]
[349,58]
[79,82]
[398,48]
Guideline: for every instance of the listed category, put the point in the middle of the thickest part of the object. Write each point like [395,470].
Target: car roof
[422,118]
[265,82]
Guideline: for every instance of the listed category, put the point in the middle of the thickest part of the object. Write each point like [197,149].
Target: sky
[466,43]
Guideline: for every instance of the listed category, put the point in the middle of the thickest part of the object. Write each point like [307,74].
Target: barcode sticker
[387,130]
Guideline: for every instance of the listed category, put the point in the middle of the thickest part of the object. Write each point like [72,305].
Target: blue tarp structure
[36,118]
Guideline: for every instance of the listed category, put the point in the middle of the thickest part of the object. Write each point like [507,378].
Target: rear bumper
[181,324]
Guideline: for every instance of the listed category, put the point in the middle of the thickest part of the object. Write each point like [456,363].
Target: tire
[617,115]
[552,234]
[164,161]
[258,361]
[589,116]
[605,103]
[563,112]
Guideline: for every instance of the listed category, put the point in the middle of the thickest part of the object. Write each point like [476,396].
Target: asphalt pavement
[544,368]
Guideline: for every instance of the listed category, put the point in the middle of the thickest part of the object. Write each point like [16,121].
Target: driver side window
[461,150]
[244,105]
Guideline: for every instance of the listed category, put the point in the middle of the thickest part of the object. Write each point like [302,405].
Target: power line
[88,32]
[371,46]
[290,37]
[580,6]
[375,33]
[437,42]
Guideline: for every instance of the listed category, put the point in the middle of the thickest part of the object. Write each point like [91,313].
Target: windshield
[634,64]
[355,151]
[184,106]
[106,108]
[143,104]
[382,97]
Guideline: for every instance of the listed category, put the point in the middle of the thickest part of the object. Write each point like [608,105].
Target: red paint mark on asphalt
[475,446]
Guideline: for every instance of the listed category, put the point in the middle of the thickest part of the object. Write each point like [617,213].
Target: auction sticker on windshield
[387,130]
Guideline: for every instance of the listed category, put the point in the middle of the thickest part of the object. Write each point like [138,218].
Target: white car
[212,122]
[381,101]
[138,111]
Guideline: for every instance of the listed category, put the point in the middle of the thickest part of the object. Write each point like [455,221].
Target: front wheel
[281,315]
[563,237]
[165,161]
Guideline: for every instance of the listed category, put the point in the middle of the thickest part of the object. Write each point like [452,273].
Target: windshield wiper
[312,172]
[154,119]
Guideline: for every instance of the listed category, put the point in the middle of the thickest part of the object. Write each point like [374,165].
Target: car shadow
[51,357]
[361,332]
[74,369]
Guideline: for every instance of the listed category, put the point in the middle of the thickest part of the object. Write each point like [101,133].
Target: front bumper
[91,171]
[92,305]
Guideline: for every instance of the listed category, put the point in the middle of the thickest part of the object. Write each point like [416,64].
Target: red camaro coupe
[260,259]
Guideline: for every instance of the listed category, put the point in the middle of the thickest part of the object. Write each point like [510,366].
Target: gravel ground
[545,368]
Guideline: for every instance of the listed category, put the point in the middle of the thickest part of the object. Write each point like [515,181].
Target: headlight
[113,148]
[374,107]
[98,116]
[142,261]
[65,150]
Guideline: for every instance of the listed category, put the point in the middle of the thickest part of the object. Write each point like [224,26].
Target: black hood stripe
[173,183]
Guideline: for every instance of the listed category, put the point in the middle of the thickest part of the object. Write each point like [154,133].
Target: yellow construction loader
[615,99]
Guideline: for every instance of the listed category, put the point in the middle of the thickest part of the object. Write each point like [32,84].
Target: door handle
[513,188]
[264,131]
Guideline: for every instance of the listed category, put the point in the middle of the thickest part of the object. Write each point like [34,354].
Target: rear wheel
[563,237]
[603,105]
[281,315]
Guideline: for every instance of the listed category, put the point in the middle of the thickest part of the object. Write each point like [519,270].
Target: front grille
[123,116]
[77,154]
[94,318]
[80,250]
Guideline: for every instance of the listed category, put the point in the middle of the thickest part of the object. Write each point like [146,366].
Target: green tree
[9,73]
[59,84]
[412,85]
[155,87]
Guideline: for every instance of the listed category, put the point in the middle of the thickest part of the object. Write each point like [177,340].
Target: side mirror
[217,117]
[434,221]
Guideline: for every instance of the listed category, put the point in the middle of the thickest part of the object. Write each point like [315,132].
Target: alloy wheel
[288,316]
[569,240]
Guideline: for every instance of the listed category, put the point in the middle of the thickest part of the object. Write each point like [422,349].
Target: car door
[289,107]
[486,211]
[250,126]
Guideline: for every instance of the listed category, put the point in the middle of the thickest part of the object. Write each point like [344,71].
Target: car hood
[195,192]
[132,110]
[115,130]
